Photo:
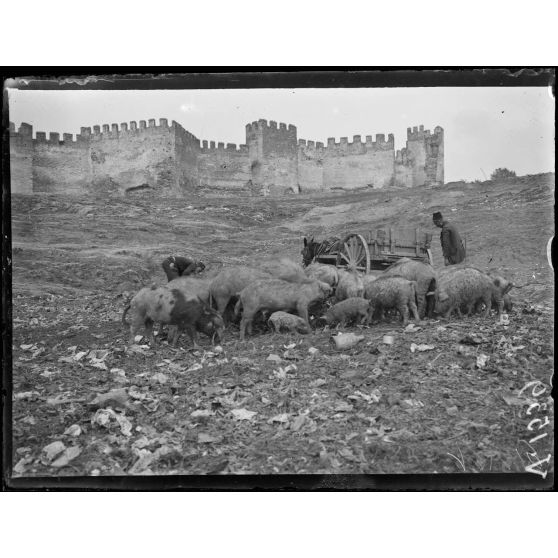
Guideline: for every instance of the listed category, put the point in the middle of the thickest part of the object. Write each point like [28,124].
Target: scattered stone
[68,455]
[201,413]
[74,430]
[51,451]
[421,347]
[482,359]
[274,358]
[243,414]
[346,340]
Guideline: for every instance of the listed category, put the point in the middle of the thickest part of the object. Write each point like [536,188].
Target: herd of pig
[276,289]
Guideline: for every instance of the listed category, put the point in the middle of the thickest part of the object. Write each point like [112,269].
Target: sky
[484,127]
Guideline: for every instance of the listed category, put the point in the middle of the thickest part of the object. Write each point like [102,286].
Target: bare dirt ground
[375,408]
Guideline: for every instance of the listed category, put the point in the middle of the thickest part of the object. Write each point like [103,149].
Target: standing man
[452,245]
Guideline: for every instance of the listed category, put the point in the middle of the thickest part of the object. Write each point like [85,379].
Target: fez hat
[437,216]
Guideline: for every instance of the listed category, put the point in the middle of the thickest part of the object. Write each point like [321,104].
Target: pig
[323,272]
[350,284]
[276,294]
[191,287]
[424,275]
[170,306]
[430,297]
[467,287]
[370,277]
[287,270]
[351,309]
[508,303]
[443,276]
[445,272]
[507,300]
[393,292]
[230,281]
[282,320]
[503,286]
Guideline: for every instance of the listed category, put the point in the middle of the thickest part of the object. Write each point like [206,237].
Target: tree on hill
[502,174]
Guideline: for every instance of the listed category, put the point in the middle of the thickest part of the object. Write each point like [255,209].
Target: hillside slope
[445,397]
[57,241]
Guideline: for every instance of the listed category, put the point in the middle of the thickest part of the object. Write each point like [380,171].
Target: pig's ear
[305,242]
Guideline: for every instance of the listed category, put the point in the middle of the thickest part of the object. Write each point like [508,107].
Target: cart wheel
[354,254]
[430,259]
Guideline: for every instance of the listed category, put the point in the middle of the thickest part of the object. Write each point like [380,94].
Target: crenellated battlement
[24,131]
[418,133]
[208,147]
[343,147]
[311,148]
[25,135]
[114,130]
[95,133]
[422,160]
[262,125]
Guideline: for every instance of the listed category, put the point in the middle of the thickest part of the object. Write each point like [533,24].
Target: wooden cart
[377,250]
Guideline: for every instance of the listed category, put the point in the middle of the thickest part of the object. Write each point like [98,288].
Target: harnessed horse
[312,249]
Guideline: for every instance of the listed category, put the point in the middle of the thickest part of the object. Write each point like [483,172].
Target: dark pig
[430,298]
[169,306]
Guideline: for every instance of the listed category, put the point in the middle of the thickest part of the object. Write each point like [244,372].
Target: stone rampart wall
[171,159]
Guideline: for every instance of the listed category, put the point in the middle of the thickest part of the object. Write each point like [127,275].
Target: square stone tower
[272,152]
[426,153]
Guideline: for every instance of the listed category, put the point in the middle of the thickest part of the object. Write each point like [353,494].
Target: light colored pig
[348,310]
[393,292]
[283,320]
[350,285]
[276,294]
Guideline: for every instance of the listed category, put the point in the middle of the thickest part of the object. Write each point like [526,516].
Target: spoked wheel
[354,254]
